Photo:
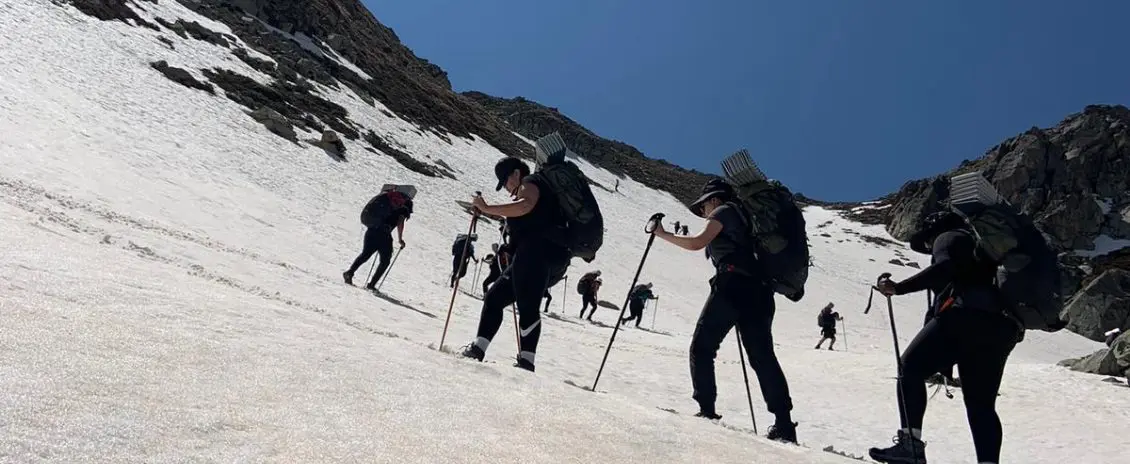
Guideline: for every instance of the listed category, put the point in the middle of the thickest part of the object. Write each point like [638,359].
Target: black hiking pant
[588,298]
[458,271]
[635,311]
[827,333]
[495,273]
[533,269]
[736,299]
[979,342]
[548,299]
[377,240]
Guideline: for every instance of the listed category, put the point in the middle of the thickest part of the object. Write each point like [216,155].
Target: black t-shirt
[544,224]
[732,245]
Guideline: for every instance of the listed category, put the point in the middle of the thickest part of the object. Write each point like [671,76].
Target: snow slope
[170,291]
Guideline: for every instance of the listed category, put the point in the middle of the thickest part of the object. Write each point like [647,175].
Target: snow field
[171,292]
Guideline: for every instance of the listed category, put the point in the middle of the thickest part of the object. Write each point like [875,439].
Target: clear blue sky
[840,99]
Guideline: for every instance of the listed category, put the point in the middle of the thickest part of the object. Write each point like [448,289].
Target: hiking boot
[524,364]
[831,349]
[783,432]
[907,450]
[474,352]
[708,415]
[348,276]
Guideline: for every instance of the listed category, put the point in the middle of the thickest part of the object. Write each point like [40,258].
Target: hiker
[738,295]
[589,287]
[967,328]
[498,261]
[678,227]
[548,300]
[617,185]
[636,301]
[535,223]
[459,260]
[389,208]
[827,321]
[686,231]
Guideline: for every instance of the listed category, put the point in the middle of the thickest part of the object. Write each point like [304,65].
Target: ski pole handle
[653,223]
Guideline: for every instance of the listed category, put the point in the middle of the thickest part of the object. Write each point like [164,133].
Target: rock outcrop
[1107,361]
[1102,305]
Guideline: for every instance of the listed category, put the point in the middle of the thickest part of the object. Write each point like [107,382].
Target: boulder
[1102,305]
[1107,361]
[181,76]
[916,200]
[276,123]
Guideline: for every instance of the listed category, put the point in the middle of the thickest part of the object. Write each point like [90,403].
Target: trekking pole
[898,365]
[654,313]
[389,270]
[748,395]
[455,289]
[650,230]
[564,293]
[845,334]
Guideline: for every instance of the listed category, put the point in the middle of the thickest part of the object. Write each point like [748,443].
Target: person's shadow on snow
[402,304]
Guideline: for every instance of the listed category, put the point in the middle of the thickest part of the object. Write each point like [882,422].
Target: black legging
[533,269]
[495,273]
[457,271]
[741,300]
[979,342]
[635,308]
[586,299]
[377,240]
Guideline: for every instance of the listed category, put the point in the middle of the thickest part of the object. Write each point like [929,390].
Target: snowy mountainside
[171,291]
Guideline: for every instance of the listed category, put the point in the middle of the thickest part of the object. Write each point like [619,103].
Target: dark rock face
[405,159]
[1102,305]
[533,120]
[112,10]
[181,76]
[413,88]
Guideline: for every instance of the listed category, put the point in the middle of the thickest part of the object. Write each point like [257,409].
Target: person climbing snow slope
[636,302]
[589,288]
[827,321]
[739,294]
[388,209]
[459,260]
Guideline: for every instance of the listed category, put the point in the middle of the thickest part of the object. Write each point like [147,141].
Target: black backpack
[460,243]
[584,225]
[776,225]
[1028,273]
[381,207]
[585,282]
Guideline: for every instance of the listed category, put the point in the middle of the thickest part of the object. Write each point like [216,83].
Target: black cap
[504,167]
[932,225]
[713,188]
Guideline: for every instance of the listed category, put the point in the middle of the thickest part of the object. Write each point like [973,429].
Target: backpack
[776,225]
[381,207]
[584,225]
[585,282]
[1028,274]
[777,231]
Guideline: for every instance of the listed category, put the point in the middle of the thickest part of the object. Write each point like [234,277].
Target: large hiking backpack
[461,243]
[776,225]
[1027,267]
[585,282]
[382,206]
[584,224]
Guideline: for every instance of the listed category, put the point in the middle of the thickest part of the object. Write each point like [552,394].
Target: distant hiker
[827,321]
[535,222]
[499,262]
[1112,335]
[678,228]
[967,328]
[617,185]
[685,230]
[636,301]
[739,294]
[589,287]
[548,299]
[388,209]
[459,261]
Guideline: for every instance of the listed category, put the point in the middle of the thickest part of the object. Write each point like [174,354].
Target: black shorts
[828,332]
